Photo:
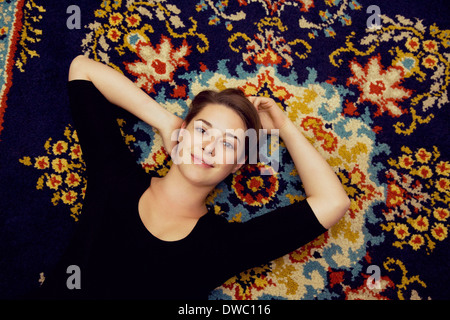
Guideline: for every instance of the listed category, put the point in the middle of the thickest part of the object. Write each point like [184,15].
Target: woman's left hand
[272,117]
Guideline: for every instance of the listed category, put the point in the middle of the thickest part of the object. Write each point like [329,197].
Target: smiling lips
[201,162]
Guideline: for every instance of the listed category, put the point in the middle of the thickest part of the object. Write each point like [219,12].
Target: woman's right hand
[167,130]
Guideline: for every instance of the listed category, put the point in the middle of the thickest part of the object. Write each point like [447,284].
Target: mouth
[201,162]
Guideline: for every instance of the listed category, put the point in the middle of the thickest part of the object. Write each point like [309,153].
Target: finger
[252,99]
[257,102]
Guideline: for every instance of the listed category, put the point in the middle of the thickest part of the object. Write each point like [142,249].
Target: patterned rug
[369,91]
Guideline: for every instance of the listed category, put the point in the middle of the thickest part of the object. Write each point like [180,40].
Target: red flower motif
[157,64]
[254,188]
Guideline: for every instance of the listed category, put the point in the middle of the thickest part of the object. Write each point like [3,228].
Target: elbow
[77,70]
[329,211]
[340,207]
[345,204]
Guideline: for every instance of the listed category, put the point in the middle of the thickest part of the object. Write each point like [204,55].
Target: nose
[209,146]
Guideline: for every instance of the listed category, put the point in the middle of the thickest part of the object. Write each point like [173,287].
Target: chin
[203,177]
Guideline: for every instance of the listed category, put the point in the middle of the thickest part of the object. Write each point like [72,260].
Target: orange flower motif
[423,155]
[424,172]
[54,181]
[69,197]
[443,168]
[42,162]
[73,179]
[430,45]
[75,152]
[430,61]
[412,44]
[406,161]
[443,185]
[60,147]
[114,34]
[439,231]
[115,19]
[441,214]
[401,231]
[133,20]
[416,241]
[59,165]
[420,223]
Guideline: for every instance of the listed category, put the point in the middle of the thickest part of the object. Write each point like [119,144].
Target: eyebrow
[227,133]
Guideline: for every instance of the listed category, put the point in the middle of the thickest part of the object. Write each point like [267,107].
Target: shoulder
[213,224]
[78,70]
[215,219]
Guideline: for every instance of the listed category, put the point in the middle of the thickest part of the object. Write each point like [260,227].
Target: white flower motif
[380,87]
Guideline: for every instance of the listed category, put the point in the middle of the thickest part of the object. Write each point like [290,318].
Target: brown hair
[234,99]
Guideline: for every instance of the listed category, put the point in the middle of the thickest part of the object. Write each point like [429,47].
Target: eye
[201,130]
[228,145]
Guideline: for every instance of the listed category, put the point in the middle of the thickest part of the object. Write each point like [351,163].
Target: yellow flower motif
[42,162]
[54,181]
[115,19]
[114,34]
[430,61]
[133,20]
[412,44]
[420,223]
[60,147]
[63,171]
[443,168]
[73,179]
[68,197]
[405,161]
[443,185]
[100,13]
[59,165]
[430,46]
[441,214]
[439,231]
[424,172]
[401,231]
[423,156]
[75,151]
[416,241]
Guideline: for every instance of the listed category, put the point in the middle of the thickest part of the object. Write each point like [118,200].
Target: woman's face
[211,145]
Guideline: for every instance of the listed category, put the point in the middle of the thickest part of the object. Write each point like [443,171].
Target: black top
[119,258]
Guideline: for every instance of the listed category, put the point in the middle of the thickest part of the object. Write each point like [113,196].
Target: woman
[143,236]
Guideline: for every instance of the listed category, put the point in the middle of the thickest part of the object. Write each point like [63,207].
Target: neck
[180,195]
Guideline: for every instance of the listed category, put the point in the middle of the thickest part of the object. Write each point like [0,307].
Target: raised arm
[121,91]
[324,191]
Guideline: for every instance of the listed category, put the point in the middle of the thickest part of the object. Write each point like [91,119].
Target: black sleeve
[268,237]
[95,120]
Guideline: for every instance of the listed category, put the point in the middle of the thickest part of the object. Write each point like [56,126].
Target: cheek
[224,156]
[183,150]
